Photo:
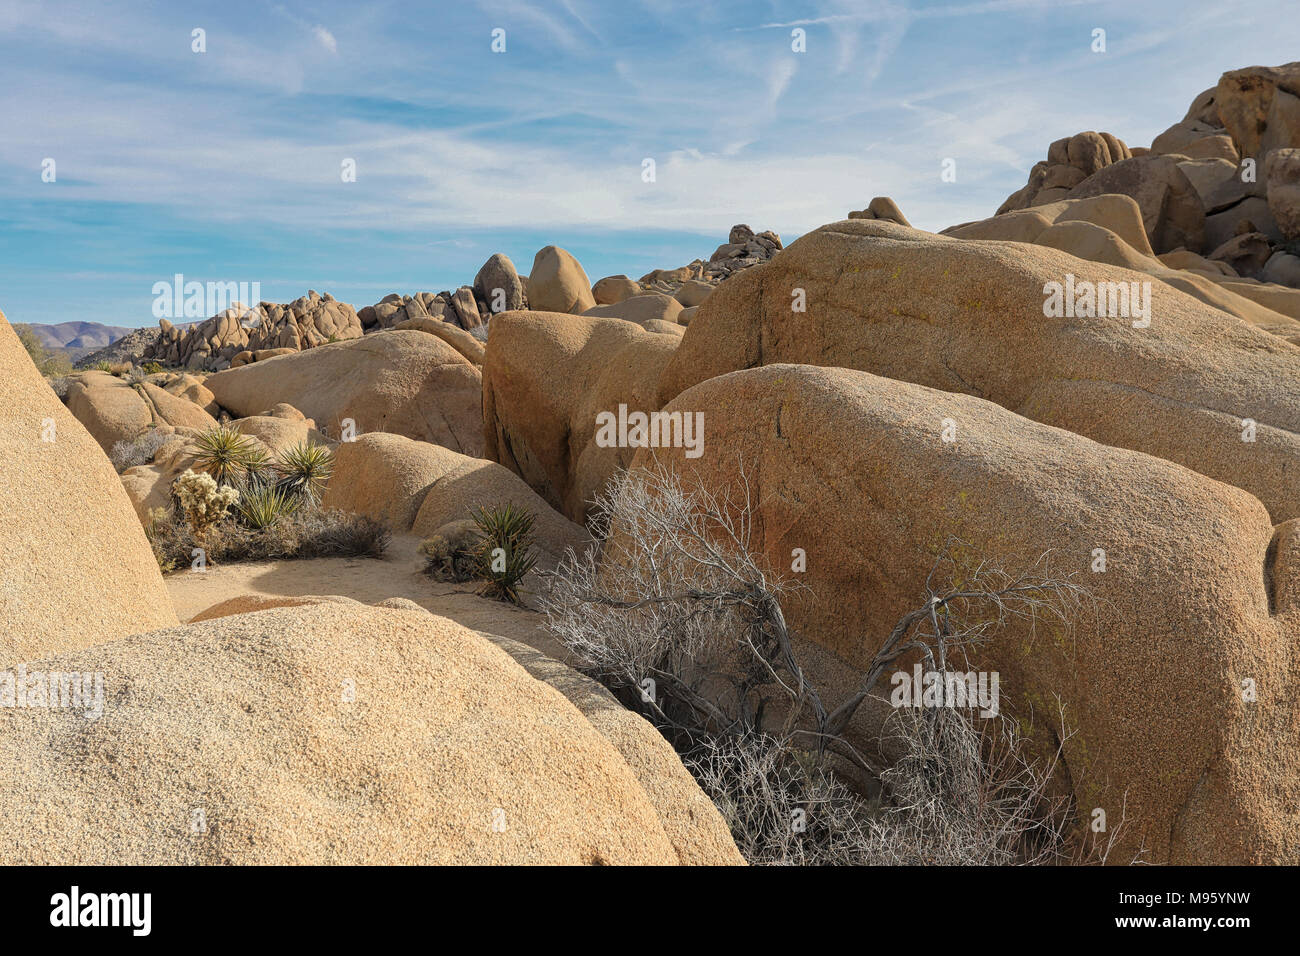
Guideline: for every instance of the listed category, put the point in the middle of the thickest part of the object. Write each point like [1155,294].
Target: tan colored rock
[1282,175]
[1216,181]
[193,389]
[171,409]
[453,335]
[614,289]
[109,408]
[1246,254]
[75,568]
[194,717]
[416,487]
[968,316]
[849,466]
[1260,106]
[497,283]
[1249,215]
[277,434]
[1171,207]
[693,292]
[406,382]
[546,378]
[881,207]
[665,328]
[689,819]
[641,309]
[558,283]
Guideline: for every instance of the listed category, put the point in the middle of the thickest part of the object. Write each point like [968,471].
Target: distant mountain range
[76,339]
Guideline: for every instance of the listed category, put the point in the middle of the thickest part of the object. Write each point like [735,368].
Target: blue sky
[225,165]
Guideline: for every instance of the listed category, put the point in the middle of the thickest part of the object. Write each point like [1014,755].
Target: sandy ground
[397,574]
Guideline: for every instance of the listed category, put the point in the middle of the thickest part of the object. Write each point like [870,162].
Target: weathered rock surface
[411,486]
[406,382]
[968,316]
[75,568]
[546,378]
[1199,590]
[500,767]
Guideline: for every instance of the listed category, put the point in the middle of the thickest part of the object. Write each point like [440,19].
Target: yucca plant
[304,470]
[506,554]
[261,506]
[227,455]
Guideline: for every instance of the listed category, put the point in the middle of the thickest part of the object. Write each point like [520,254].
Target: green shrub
[505,553]
[47,363]
[305,469]
[262,505]
[228,456]
[153,368]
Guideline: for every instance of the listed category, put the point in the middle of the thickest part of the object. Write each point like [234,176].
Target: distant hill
[76,339]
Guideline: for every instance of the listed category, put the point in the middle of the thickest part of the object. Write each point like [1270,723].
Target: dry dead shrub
[677,611]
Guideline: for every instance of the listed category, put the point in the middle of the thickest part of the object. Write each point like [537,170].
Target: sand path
[397,574]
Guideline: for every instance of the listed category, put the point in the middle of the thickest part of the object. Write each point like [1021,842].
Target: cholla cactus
[202,500]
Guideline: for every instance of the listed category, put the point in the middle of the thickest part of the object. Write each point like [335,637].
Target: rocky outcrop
[415,487]
[401,381]
[305,323]
[1197,591]
[546,378]
[1196,386]
[558,283]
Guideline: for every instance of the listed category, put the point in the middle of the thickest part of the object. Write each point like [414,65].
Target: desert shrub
[305,469]
[452,552]
[60,384]
[228,456]
[694,614]
[480,332]
[308,532]
[49,364]
[202,501]
[262,505]
[103,365]
[153,368]
[139,450]
[505,553]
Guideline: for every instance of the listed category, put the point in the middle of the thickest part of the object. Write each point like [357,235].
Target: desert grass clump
[505,554]
[305,469]
[452,552]
[228,456]
[202,501]
[262,505]
[139,450]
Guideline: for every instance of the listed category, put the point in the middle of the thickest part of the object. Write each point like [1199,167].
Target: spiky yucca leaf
[305,469]
[262,505]
[506,554]
[227,455]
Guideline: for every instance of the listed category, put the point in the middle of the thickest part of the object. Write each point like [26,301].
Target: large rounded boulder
[327,734]
[548,382]
[1195,386]
[75,568]
[1175,674]
[401,381]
